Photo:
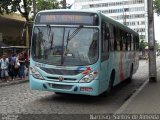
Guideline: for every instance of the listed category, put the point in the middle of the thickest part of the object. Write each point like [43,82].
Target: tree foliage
[157,6]
[9,6]
[47,4]
[143,45]
[25,6]
[157,45]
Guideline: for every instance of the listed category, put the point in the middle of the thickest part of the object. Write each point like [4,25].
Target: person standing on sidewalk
[16,66]
[22,66]
[4,67]
[11,68]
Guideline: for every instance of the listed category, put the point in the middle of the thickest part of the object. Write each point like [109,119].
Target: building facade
[11,26]
[132,13]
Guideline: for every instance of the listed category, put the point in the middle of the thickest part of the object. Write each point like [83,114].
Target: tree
[157,45]
[24,6]
[157,6]
[143,45]
[46,5]
[9,6]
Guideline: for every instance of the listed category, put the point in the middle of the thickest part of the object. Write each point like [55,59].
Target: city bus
[81,52]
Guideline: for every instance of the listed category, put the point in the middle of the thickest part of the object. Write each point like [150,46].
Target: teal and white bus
[80,52]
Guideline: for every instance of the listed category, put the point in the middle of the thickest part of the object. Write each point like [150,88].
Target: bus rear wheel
[131,74]
[59,93]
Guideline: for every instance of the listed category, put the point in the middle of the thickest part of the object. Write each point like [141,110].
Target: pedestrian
[22,66]
[12,65]
[26,57]
[146,57]
[4,67]
[16,66]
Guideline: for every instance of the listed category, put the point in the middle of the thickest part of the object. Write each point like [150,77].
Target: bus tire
[59,93]
[111,81]
[110,86]
[130,74]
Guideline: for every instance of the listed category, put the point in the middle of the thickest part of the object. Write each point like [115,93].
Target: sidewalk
[11,82]
[146,100]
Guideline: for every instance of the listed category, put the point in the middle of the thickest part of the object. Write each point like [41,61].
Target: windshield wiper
[69,37]
[62,57]
[50,36]
[75,32]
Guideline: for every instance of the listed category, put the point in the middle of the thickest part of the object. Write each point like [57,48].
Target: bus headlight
[35,73]
[88,78]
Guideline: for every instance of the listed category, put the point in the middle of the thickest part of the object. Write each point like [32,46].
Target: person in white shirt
[4,67]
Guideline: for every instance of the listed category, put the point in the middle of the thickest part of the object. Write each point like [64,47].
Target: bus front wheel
[111,82]
[110,86]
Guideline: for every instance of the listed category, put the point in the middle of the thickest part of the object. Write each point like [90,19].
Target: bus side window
[112,37]
[121,40]
[132,43]
[137,43]
[115,40]
[129,41]
[118,39]
[105,41]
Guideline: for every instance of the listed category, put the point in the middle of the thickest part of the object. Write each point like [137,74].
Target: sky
[156,23]
[69,1]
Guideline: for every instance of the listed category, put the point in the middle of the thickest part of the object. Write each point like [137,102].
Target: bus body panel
[122,63]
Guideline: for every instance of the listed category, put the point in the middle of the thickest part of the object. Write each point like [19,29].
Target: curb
[3,84]
[125,104]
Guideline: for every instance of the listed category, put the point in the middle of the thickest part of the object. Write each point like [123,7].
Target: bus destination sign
[70,19]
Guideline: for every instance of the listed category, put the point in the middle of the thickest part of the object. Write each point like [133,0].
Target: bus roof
[101,15]
[69,10]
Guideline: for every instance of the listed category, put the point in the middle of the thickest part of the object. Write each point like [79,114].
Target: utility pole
[124,15]
[151,44]
[64,4]
[27,35]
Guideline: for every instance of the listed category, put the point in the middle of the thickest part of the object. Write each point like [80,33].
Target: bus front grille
[61,71]
[58,86]
[65,79]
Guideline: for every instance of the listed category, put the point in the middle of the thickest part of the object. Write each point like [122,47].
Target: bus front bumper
[64,87]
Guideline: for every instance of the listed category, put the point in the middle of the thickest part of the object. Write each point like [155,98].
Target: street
[19,99]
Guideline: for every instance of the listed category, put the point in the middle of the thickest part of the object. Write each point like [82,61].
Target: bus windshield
[65,45]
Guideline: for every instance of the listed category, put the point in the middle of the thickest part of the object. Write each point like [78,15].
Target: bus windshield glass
[65,45]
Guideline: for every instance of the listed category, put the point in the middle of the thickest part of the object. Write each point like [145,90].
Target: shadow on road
[72,98]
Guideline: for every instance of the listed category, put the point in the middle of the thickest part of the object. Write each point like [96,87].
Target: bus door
[104,55]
